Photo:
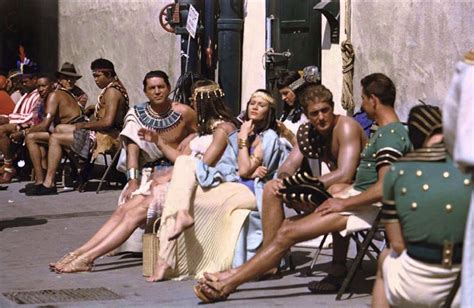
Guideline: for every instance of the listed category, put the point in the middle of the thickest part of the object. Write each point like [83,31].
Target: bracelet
[132,174]
[242,143]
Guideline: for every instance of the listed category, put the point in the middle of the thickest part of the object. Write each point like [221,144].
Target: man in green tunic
[425,206]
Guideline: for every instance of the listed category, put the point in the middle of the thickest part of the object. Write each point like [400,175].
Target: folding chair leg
[358,259]
[309,272]
[109,167]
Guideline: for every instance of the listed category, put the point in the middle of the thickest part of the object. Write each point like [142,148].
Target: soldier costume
[387,145]
[419,195]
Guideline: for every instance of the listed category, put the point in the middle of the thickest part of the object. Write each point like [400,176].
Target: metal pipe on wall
[230,28]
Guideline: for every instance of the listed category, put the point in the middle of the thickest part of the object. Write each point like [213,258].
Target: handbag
[151,247]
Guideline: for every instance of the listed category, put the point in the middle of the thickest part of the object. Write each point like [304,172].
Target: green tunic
[387,144]
[429,196]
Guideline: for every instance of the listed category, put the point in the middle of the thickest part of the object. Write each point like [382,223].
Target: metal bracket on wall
[331,10]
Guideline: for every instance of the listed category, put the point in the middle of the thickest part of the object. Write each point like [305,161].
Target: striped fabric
[26,110]
[386,156]
[389,212]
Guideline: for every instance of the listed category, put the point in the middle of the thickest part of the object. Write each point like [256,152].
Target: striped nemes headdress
[423,122]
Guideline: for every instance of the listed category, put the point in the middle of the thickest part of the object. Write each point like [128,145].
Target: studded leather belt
[446,255]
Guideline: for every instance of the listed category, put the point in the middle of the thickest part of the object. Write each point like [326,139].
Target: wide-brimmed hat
[68,69]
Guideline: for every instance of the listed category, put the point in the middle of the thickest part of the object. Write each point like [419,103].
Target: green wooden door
[295,27]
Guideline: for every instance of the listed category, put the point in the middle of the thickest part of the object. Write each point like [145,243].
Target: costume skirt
[412,283]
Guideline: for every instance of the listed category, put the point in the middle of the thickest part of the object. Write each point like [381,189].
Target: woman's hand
[246,129]
[148,135]
[260,172]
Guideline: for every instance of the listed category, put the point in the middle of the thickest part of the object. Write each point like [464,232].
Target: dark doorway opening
[34,25]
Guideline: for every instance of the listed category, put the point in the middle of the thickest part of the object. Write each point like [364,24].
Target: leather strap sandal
[63,261]
[208,294]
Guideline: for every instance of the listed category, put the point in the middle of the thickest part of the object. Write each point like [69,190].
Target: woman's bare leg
[133,218]
[114,221]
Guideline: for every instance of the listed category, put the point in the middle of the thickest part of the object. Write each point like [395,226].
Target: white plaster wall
[416,43]
[127,32]
[253,73]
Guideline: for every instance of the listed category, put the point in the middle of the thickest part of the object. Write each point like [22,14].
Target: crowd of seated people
[219,184]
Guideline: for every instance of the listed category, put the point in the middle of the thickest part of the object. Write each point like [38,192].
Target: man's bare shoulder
[113,94]
[348,127]
[345,122]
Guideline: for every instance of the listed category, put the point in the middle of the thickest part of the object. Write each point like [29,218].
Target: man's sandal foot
[328,285]
[207,294]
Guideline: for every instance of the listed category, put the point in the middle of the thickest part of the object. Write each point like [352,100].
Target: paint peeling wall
[416,43]
[127,32]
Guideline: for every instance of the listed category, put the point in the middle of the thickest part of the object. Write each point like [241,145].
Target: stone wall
[127,32]
[416,43]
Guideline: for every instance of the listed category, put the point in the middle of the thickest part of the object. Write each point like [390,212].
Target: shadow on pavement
[21,222]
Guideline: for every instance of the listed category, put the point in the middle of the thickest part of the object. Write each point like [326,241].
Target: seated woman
[292,116]
[424,219]
[133,213]
[216,200]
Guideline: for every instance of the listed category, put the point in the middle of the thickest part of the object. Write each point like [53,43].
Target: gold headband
[259,94]
[213,88]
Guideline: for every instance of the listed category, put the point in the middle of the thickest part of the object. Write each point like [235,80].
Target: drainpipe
[230,27]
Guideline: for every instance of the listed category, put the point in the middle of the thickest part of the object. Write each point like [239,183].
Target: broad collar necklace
[156,121]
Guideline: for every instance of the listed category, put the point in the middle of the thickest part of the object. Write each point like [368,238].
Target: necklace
[156,121]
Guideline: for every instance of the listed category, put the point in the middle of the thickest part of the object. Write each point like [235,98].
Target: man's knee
[286,235]
[269,194]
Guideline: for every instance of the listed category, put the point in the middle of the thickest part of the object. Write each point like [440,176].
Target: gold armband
[242,143]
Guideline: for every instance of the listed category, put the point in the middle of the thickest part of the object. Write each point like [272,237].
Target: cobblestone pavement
[37,230]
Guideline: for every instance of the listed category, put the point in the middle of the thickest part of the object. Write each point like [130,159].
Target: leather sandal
[79,264]
[208,294]
[63,261]
[328,285]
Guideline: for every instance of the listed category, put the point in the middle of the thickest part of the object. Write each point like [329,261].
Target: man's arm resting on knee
[372,195]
